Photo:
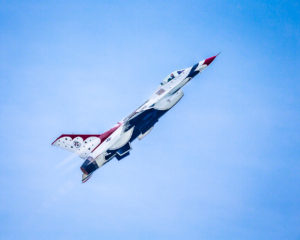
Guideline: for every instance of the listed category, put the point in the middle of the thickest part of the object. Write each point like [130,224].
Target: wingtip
[54,142]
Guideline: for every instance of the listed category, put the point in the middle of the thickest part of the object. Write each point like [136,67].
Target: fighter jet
[99,149]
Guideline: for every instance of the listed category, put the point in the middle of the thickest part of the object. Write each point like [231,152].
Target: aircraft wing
[82,145]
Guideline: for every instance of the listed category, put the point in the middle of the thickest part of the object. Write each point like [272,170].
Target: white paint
[83,149]
[165,97]
[141,136]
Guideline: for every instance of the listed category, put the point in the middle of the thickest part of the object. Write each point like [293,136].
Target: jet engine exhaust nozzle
[89,166]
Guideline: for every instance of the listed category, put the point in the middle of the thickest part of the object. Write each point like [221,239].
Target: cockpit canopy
[171,76]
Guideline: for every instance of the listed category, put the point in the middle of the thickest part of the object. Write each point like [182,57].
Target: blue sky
[223,164]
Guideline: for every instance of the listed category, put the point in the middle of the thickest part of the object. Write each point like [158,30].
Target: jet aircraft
[99,149]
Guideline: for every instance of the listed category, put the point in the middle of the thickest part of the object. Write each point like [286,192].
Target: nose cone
[199,67]
[208,61]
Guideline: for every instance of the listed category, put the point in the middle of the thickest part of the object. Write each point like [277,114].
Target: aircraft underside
[99,149]
[141,125]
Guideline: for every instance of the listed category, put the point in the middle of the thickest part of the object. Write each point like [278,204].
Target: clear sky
[223,164]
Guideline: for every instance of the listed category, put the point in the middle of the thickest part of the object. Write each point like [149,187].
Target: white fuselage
[164,98]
